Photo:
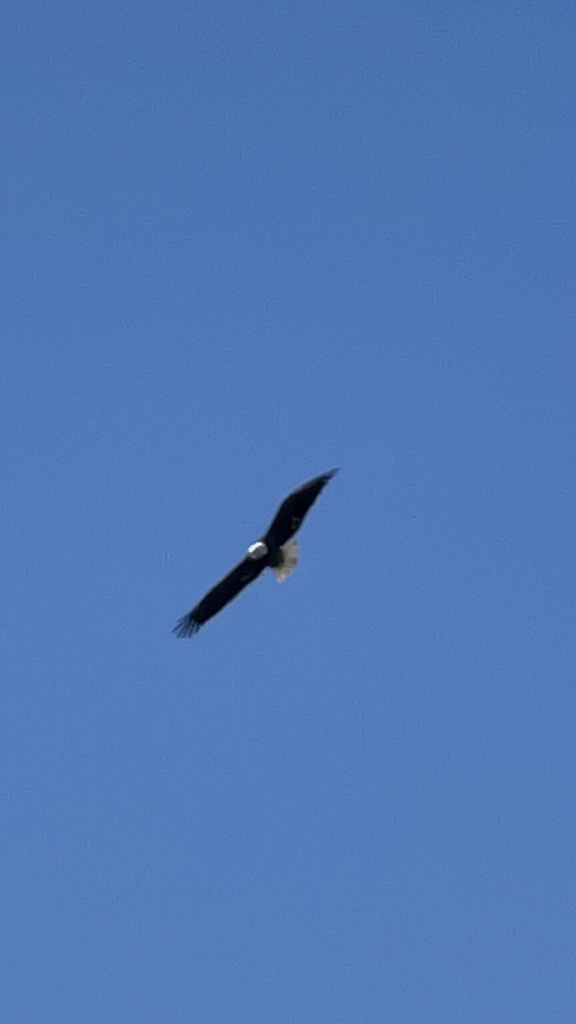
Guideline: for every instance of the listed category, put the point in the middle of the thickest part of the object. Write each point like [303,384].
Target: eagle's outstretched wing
[226,590]
[293,510]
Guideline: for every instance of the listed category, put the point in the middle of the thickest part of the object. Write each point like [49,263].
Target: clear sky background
[243,244]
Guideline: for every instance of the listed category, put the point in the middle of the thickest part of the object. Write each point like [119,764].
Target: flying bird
[276,549]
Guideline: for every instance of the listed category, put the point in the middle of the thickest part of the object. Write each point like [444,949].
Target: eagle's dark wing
[224,591]
[293,509]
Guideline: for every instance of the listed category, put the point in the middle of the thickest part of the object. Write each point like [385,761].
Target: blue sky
[243,244]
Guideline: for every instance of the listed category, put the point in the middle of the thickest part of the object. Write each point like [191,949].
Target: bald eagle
[275,549]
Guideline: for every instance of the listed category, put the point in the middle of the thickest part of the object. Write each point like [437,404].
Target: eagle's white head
[257,550]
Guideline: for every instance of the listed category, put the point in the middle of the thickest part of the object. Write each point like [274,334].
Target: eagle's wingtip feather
[186,627]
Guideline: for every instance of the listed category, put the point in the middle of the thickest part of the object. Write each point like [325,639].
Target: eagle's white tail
[290,552]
